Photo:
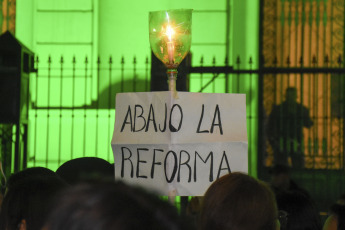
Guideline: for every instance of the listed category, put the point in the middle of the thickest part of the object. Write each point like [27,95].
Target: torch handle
[172,74]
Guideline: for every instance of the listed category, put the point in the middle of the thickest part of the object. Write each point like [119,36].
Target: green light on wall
[104,28]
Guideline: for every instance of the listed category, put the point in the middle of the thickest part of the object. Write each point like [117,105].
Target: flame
[170,32]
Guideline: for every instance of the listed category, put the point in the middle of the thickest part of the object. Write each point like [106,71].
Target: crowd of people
[82,195]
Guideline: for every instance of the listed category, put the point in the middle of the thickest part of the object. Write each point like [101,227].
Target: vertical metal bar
[261,109]
[250,111]
[282,35]
[315,149]
[341,119]
[289,35]
[343,96]
[296,50]
[85,104]
[17,148]
[60,110]
[281,76]
[8,14]
[146,74]
[25,145]
[73,105]
[48,109]
[317,19]
[331,65]
[36,104]
[326,114]
[201,74]
[214,81]
[122,73]
[312,94]
[226,76]
[275,64]
[296,35]
[331,29]
[310,140]
[312,106]
[97,103]
[25,134]
[134,74]
[301,62]
[238,63]
[110,106]
[227,43]
[302,147]
[316,109]
[325,141]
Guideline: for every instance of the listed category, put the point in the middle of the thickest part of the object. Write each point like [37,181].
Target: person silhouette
[285,130]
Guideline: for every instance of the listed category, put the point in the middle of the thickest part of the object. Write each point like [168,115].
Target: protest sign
[165,143]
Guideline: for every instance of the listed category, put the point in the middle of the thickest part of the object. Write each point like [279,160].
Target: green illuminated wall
[80,28]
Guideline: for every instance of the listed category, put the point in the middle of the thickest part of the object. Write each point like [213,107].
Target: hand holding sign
[185,144]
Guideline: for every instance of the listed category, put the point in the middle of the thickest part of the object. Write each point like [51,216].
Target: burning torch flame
[170,32]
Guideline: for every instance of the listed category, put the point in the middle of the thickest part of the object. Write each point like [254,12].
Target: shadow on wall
[106,97]
[157,82]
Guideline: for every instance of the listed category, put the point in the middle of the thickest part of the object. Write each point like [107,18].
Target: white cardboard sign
[165,143]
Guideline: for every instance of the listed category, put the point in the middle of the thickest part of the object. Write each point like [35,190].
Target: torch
[170,39]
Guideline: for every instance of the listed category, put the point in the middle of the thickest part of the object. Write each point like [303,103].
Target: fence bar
[85,103]
[134,74]
[97,105]
[73,104]
[48,103]
[146,73]
[109,104]
[60,110]
[36,128]
[122,73]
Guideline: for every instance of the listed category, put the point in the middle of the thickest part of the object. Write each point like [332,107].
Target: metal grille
[306,35]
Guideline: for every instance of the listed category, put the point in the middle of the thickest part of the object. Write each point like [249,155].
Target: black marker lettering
[154,161]
[184,163]
[200,121]
[165,120]
[211,165]
[129,114]
[140,116]
[126,159]
[174,169]
[149,119]
[219,124]
[171,127]
[221,163]
[139,161]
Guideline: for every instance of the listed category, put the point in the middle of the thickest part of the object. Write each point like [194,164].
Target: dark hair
[23,175]
[301,211]
[237,201]
[91,206]
[29,197]
[85,168]
[279,169]
[338,209]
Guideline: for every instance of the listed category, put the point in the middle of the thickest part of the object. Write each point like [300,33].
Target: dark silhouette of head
[336,220]
[237,201]
[98,206]
[280,177]
[291,94]
[85,168]
[33,172]
[301,212]
[29,199]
